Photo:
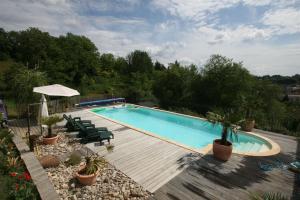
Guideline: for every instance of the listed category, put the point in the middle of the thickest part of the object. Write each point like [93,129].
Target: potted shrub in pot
[88,172]
[250,104]
[249,107]
[248,124]
[51,138]
[222,148]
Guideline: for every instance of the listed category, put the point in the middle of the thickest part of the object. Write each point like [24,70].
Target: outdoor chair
[88,134]
[72,126]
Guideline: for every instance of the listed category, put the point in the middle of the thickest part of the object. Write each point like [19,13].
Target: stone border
[37,173]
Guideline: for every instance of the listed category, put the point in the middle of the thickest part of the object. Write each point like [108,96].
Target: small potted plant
[222,148]
[50,121]
[88,172]
[250,104]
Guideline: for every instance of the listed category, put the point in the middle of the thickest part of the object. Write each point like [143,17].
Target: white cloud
[257,2]
[283,21]
[193,9]
[187,37]
[236,35]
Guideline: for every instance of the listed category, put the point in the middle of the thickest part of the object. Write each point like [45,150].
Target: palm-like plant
[50,121]
[229,124]
[93,164]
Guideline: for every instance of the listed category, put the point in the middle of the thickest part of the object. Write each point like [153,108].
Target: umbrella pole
[28,126]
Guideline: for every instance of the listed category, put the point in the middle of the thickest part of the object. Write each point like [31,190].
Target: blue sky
[264,34]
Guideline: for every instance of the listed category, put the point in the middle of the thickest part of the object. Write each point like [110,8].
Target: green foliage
[15,181]
[228,121]
[223,84]
[50,121]
[22,81]
[32,58]
[172,86]
[74,159]
[93,164]
[139,61]
[268,196]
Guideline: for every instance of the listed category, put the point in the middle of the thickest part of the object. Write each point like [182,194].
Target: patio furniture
[90,134]
[72,126]
[98,136]
[85,131]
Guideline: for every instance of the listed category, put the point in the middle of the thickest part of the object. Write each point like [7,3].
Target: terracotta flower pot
[50,140]
[222,152]
[248,125]
[86,179]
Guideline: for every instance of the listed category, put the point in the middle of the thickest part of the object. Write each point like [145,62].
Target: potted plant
[250,104]
[50,121]
[88,172]
[222,148]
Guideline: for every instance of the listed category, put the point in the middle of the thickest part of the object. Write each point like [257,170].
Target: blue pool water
[191,132]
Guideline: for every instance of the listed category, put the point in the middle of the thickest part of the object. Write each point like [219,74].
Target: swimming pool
[190,132]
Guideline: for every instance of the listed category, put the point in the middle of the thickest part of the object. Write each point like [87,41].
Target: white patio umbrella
[44,107]
[56,90]
[53,90]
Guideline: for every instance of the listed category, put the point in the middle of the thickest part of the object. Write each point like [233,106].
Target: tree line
[32,58]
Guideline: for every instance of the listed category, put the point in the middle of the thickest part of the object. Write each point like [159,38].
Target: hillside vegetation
[31,58]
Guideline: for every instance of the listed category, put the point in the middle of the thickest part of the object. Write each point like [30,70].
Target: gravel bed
[111,182]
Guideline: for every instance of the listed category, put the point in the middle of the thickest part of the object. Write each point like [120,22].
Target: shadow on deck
[208,178]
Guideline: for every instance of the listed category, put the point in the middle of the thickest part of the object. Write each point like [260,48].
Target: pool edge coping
[275,148]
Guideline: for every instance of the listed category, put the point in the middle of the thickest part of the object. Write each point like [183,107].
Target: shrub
[14,178]
[74,159]
[49,161]
[93,164]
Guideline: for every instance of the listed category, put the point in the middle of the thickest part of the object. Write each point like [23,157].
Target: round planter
[86,179]
[248,125]
[52,140]
[222,152]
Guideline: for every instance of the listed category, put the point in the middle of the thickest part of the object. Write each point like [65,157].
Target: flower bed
[15,181]
[111,183]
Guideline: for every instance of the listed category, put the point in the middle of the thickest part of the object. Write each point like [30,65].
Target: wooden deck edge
[37,173]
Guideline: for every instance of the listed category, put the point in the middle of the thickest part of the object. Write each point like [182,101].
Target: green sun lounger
[84,131]
[88,134]
[72,126]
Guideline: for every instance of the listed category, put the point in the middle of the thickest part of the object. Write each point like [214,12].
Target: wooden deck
[207,178]
[149,161]
[172,172]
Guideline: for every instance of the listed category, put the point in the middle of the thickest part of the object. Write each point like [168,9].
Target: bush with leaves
[13,173]
[50,121]
[92,165]
[74,159]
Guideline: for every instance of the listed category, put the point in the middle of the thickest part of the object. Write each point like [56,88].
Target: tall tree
[23,82]
[223,84]
[139,61]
